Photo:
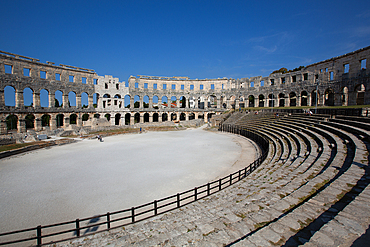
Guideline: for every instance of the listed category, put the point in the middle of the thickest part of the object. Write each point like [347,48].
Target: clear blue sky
[198,39]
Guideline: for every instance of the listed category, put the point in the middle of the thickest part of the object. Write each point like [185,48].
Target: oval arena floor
[90,177]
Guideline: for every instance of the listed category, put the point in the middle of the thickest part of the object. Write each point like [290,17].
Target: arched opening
[107,116]
[329,97]
[182,117]
[155,102]
[212,101]
[9,95]
[85,117]
[164,101]
[28,97]
[95,100]
[173,102]
[146,101]
[107,102]
[173,116]
[232,102]
[271,100]
[30,121]
[281,100]
[73,119]
[146,117]
[11,122]
[84,100]
[360,94]
[182,102]
[127,118]
[137,101]
[117,119]
[251,101]
[201,102]
[191,102]
[44,98]
[223,103]
[304,98]
[164,117]
[155,117]
[292,99]
[60,120]
[97,115]
[191,116]
[127,101]
[58,99]
[137,118]
[261,100]
[201,116]
[71,99]
[45,120]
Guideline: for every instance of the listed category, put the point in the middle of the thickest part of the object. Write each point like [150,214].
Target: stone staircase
[311,190]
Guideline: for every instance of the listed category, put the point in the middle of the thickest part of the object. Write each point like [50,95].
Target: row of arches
[28,98]
[53,121]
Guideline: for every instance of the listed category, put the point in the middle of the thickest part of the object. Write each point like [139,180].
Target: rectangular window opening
[136,85]
[8,69]
[83,80]
[363,63]
[252,83]
[346,68]
[272,81]
[145,85]
[155,86]
[182,87]
[326,70]
[305,76]
[26,72]
[331,75]
[213,86]
[191,87]
[71,78]
[43,74]
[173,86]
[262,83]
[294,78]
[95,81]
[222,86]
[164,86]
[201,87]
[57,77]
[117,86]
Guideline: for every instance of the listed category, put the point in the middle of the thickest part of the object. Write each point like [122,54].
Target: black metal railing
[48,234]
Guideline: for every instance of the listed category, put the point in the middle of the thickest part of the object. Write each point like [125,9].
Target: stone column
[160,103]
[21,126]
[196,106]
[66,122]
[65,101]
[177,103]
[90,101]
[132,119]
[79,120]
[78,101]
[151,118]
[228,105]
[51,100]
[236,104]
[131,102]
[53,123]
[141,118]
[256,102]
[38,124]
[218,102]
[150,102]
[2,97]
[19,102]
[298,100]
[178,116]
[3,128]
[141,103]
[36,99]
[186,116]
[159,117]
[187,103]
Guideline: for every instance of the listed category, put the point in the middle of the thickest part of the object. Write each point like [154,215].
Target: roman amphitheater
[308,184]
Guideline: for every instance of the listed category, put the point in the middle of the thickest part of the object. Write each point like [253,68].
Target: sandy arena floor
[89,177]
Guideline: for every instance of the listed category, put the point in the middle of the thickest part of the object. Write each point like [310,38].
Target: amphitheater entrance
[271,100]
[304,97]
[360,94]
[137,118]
[329,97]
[30,121]
[164,117]
[146,118]
[117,119]
[127,118]
[292,99]
[191,116]
[107,116]
[60,120]
[182,117]
[85,117]
[251,101]
[155,117]
[45,120]
[182,102]
[73,119]
[11,122]
[261,100]
[173,116]
[281,100]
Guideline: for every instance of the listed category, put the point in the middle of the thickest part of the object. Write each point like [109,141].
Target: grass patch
[16,146]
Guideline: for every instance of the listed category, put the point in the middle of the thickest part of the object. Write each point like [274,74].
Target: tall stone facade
[72,95]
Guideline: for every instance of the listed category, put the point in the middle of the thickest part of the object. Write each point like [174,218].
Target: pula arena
[338,81]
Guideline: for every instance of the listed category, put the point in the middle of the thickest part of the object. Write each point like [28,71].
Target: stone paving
[320,198]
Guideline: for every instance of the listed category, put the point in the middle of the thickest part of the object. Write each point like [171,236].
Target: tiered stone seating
[312,190]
